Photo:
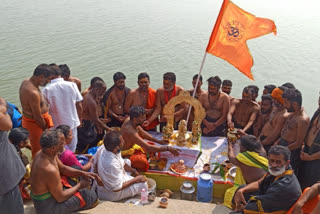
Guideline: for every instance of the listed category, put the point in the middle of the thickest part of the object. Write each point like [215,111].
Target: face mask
[277,172]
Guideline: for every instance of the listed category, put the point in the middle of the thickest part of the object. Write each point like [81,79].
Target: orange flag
[233,28]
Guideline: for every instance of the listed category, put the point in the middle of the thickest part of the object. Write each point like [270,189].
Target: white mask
[277,172]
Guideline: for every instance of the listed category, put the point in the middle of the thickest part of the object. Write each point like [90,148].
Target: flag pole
[196,86]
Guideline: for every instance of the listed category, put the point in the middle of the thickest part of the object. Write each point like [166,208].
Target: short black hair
[289,85]
[254,88]
[143,75]
[55,70]
[250,143]
[49,138]
[136,111]
[65,70]
[65,129]
[226,83]
[280,150]
[169,76]
[248,90]
[293,95]
[95,79]
[196,77]
[98,84]
[17,135]
[216,81]
[111,140]
[117,76]
[266,97]
[270,88]
[42,69]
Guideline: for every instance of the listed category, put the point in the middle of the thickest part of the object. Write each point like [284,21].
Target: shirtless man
[91,123]
[199,91]
[132,133]
[255,92]
[114,100]
[271,130]
[226,86]
[47,191]
[264,113]
[295,128]
[216,104]
[243,112]
[268,89]
[65,74]
[34,108]
[164,94]
[143,96]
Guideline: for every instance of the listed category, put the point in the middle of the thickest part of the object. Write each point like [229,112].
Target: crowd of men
[275,129]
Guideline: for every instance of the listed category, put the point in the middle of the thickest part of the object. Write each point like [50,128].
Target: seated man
[48,180]
[277,191]
[134,136]
[112,169]
[251,163]
[243,112]
[313,192]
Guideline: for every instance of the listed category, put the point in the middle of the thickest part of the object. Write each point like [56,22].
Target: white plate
[232,171]
[134,202]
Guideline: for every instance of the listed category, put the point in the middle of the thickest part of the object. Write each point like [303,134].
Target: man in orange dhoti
[34,107]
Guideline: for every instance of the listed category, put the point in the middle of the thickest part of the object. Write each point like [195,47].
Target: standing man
[91,124]
[132,134]
[65,74]
[34,107]
[12,168]
[114,100]
[164,94]
[272,129]
[199,91]
[143,96]
[50,189]
[216,104]
[243,112]
[264,113]
[295,128]
[64,99]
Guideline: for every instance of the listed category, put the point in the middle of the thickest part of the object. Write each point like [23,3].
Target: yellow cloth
[131,151]
[250,159]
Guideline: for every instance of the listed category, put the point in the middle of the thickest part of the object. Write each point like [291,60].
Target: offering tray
[179,167]
[188,144]
[157,163]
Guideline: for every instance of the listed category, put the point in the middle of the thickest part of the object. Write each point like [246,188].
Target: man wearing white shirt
[113,171]
[64,99]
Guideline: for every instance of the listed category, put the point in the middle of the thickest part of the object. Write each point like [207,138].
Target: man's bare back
[76,81]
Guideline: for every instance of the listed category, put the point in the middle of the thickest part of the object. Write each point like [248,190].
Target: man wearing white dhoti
[112,169]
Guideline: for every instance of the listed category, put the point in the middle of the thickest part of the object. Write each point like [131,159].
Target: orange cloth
[233,28]
[151,103]
[65,183]
[309,206]
[35,131]
[139,161]
[277,94]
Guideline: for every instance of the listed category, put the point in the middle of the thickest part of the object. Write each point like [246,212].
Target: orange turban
[277,94]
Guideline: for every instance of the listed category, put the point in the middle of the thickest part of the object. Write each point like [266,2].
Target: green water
[101,37]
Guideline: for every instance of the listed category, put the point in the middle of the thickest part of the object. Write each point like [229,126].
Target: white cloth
[111,171]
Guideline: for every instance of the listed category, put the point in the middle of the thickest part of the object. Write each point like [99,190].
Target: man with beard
[34,107]
[310,154]
[277,191]
[91,124]
[164,94]
[114,100]
[143,96]
[134,137]
[295,128]
[243,112]
[51,191]
[216,104]
[226,88]
[263,116]
[272,129]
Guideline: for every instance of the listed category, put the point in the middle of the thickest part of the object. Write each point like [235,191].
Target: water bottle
[144,196]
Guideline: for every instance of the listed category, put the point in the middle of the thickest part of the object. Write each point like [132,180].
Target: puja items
[196,132]
[204,188]
[151,196]
[179,167]
[182,133]
[187,191]
[166,193]
[232,135]
[163,202]
[167,131]
[156,163]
